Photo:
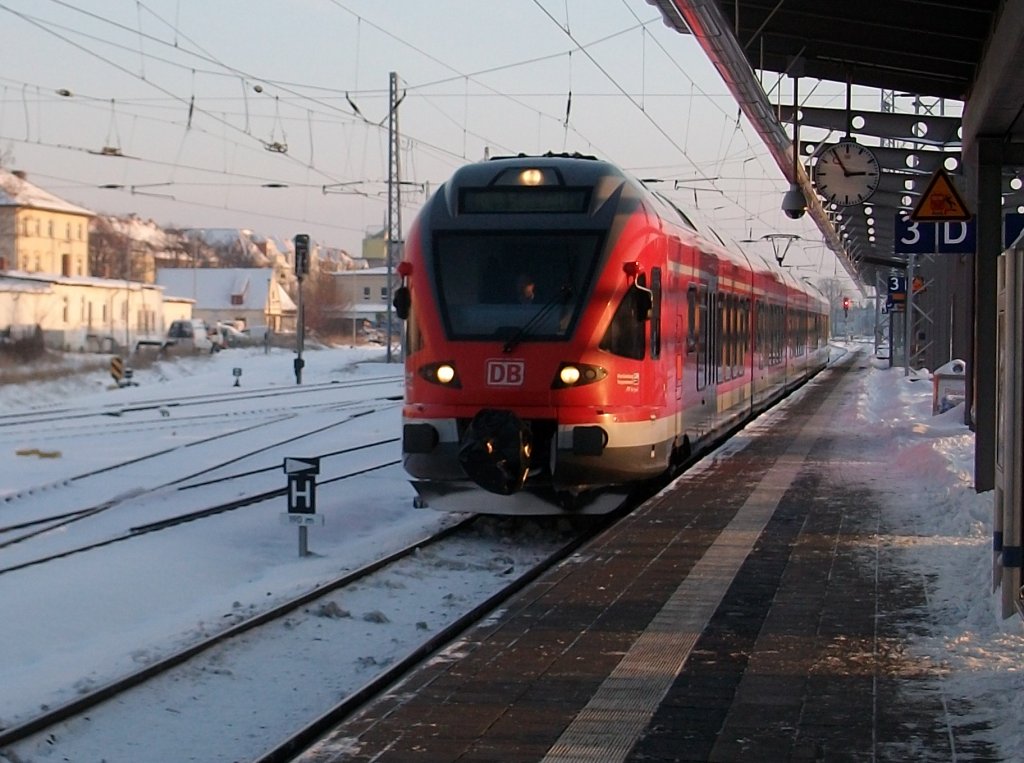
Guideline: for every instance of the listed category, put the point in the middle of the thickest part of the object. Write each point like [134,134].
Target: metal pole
[127,292]
[908,316]
[303,540]
[394,198]
[300,337]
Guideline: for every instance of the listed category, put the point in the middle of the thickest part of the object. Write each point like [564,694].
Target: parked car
[193,335]
[231,336]
[258,333]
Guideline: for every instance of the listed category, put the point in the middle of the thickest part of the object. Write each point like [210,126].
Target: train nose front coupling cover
[495,451]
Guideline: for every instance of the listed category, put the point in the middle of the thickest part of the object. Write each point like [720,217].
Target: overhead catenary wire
[315,104]
[658,127]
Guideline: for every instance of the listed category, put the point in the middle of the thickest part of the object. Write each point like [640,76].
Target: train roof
[586,170]
[576,169]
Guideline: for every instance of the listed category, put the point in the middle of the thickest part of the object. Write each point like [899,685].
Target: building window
[67,232]
[80,232]
[49,228]
[236,299]
[384,293]
[366,292]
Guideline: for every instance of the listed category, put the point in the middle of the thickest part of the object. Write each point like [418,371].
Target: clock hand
[846,172]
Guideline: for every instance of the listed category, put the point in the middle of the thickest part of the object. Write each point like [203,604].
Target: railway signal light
[302,254]
[846,306]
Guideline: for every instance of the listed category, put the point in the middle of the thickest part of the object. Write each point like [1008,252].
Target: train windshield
[494,285]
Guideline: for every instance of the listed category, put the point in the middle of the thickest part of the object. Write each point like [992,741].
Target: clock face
[846,174]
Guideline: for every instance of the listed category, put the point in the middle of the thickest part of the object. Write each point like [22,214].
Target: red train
[570,333]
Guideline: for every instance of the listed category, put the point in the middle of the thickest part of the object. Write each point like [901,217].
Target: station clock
[846,173]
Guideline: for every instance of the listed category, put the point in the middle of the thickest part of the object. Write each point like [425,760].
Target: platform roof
[928,47]
[967,50]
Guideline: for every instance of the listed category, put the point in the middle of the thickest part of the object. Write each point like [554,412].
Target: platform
[750,612]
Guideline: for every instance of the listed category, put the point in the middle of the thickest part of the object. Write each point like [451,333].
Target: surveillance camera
[793,203]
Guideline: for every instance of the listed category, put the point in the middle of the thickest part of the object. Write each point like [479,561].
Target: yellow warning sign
[940,202]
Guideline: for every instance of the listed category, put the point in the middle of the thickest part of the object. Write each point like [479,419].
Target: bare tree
[108,249]
[320,300]
[834,292]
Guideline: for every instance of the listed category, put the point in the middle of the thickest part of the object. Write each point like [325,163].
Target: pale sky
[195,95]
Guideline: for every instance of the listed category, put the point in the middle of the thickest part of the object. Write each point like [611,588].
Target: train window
[625,334]
[726,323]
[778,335]
[800,340]
[691,319]
[714,337]
[737,347]
[759,333]
[709,337]
[719,327]
[482,278]
[745,328]
[702,338]
[734,335]
[656,313]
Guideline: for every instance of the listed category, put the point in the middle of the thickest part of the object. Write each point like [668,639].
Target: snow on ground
[929,492]
[927,489]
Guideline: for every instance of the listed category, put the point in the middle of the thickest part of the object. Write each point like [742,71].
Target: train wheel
[681,455]
[568,501]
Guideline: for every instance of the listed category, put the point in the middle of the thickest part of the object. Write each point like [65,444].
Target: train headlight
[531,177]
[445,373]
[577,375]
[442,373]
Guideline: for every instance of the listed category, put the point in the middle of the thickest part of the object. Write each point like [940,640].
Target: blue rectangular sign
[946,238]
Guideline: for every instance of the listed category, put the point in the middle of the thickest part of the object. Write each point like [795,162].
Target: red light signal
[846,305]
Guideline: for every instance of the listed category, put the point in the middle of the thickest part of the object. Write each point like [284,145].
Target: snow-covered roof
[16,191]
[213,288]
[22,286]
[137,230]
[27,279]
[363,272]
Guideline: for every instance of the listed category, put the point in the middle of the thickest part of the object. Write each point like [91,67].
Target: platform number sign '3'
[933,238]
[949,237]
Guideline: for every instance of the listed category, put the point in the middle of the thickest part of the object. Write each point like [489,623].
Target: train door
[678,346]
[706,403]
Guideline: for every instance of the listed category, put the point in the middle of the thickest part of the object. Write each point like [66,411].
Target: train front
[509,284]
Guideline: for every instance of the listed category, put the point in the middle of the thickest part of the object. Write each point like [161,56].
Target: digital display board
[523,199]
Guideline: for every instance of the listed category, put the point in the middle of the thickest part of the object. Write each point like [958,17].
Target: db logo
[505,373]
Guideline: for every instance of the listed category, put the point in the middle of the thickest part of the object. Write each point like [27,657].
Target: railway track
[61,415]
[350,411]
[41,526]
[469,559]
